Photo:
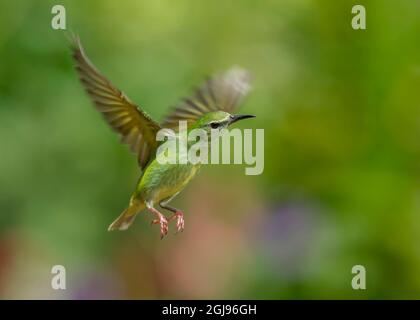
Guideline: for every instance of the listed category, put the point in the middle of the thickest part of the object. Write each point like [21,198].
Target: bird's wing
[135,127]
[221,92]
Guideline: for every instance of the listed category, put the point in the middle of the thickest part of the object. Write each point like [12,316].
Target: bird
[210,107]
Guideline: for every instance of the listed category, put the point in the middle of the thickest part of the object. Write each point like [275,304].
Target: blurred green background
[341,114]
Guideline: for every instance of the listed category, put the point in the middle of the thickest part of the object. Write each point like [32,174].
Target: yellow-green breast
[162,181]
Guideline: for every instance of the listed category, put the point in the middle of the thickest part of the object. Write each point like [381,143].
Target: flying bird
[210,107]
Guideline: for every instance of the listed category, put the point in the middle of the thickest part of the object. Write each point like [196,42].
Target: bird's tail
[127,217]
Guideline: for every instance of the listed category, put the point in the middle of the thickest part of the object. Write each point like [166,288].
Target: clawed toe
[164,228]
[180,223]
[163,222]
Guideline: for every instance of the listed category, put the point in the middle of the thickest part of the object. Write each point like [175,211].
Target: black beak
[240,117]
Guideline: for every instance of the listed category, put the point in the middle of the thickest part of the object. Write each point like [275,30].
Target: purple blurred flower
[99,285]
[287,236]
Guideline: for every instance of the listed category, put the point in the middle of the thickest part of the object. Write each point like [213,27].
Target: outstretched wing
[221,92]
[135,126]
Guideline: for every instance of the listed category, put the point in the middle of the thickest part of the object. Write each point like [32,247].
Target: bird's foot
[163,225]
[180,223]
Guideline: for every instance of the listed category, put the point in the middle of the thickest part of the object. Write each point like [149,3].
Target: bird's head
[218,120]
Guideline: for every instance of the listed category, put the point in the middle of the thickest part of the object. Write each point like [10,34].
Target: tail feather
[126,218]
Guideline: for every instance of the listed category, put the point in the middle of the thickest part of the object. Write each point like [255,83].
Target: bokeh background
[341,114]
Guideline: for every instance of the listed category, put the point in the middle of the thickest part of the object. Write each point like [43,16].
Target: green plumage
[208,108]
[162,181]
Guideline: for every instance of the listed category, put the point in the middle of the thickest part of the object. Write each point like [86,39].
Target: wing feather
[222,92]
[135,127]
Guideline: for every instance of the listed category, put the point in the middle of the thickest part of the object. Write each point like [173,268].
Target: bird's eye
[214,125]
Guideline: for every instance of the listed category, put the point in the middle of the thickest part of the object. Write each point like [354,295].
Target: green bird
[209,108]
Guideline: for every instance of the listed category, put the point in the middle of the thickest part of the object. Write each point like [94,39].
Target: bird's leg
[161,219]
[178,214]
